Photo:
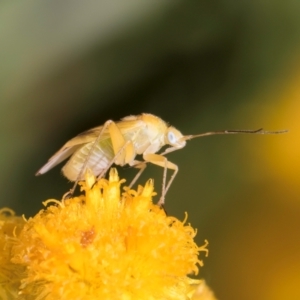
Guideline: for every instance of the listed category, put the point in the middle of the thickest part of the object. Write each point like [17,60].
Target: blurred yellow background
[201,66]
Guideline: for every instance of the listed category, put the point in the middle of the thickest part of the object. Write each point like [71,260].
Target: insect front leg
[162,161]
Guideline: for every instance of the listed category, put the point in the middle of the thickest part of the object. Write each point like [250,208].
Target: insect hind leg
[138,165]
[114,160]
[83,169]
[124,151]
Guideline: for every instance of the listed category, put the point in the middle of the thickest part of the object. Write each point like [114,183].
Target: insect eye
[171,137]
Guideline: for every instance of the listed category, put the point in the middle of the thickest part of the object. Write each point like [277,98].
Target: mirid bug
[119,143]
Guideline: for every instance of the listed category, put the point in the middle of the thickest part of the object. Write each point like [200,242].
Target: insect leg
[139,165]
[115,159]
[123,150]
[106,124]
[163,162]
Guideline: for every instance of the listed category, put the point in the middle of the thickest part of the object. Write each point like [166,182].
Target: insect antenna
[257,131]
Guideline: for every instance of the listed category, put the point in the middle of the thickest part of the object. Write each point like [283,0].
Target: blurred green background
[67,66]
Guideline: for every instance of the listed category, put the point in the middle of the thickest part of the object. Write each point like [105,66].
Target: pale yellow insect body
[119,143]
[147,133]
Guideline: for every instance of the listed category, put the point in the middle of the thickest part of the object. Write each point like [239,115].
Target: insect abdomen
[102,154]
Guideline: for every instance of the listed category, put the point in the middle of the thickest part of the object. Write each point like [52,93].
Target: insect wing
[69,148]
[126,128]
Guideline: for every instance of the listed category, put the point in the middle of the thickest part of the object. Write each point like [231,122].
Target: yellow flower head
[107,245]
[10,274]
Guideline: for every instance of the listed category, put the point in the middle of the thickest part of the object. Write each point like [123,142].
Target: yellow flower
[107,245]
[10,274]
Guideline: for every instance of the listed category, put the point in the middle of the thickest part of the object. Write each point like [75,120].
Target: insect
[119,143]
